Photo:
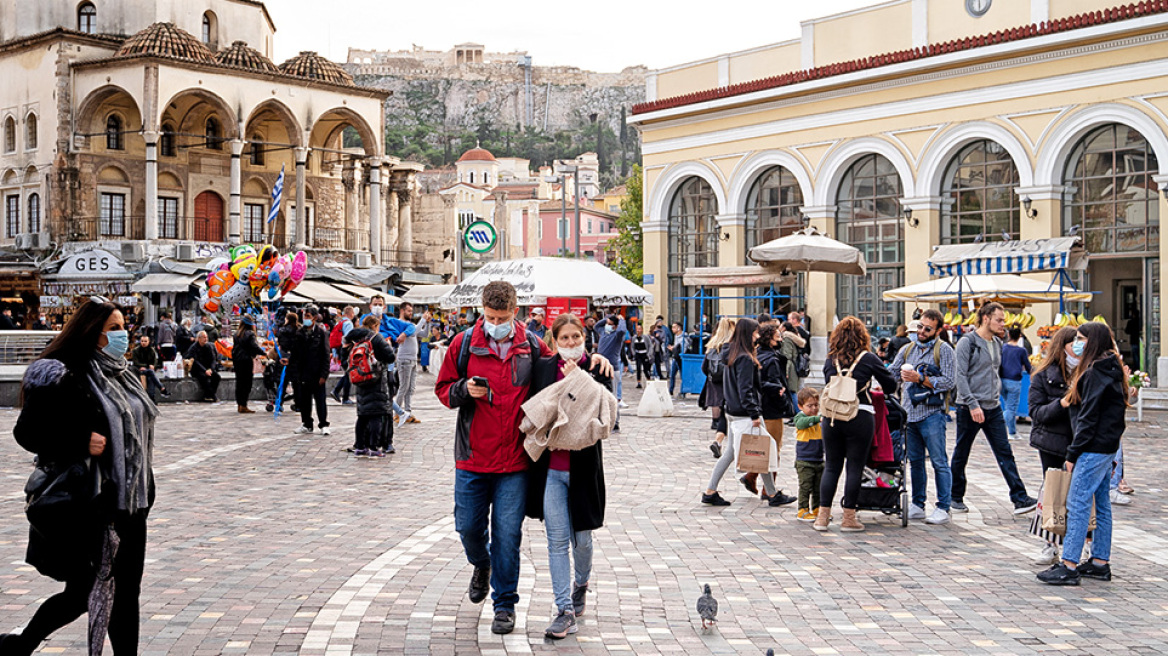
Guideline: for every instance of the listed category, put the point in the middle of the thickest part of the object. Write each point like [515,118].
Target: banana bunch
[1075,320]
[1021,320]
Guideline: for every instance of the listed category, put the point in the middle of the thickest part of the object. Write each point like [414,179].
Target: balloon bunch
[249,276]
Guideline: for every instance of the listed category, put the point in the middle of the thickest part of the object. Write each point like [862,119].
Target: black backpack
[803,365]
[715,366]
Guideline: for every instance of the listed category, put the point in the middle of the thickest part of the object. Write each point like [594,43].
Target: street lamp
[562,179]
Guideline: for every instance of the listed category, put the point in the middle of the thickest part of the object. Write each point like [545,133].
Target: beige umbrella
[810,250]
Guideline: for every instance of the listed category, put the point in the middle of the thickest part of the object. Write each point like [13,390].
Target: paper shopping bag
[754,451]
[1055,486]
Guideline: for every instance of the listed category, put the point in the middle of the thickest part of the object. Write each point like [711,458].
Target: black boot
[13,644]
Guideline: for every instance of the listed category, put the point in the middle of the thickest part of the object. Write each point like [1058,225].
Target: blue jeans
[995,431]
[1117,475]
[674,372]
[558,524]
[928,435]
[501,498]
[617,388]
[1012,391]
[1090,479]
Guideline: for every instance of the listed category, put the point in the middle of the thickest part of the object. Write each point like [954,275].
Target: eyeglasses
[99,299]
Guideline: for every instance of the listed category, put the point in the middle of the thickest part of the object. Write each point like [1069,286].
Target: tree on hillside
[629,247]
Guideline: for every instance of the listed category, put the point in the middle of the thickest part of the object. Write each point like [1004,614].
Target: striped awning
[1015,256]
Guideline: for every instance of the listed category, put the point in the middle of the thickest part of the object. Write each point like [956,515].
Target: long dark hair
[77,341]
[1056,352]
[742,343]
[1100,344]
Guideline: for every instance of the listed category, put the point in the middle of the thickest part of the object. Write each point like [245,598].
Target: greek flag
[277,196]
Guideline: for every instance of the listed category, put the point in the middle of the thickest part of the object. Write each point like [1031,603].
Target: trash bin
[692,378]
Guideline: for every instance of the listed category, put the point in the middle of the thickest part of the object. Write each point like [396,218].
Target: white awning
[164,282]
[365,293]
[325,293]
[1014,256]
[427,294]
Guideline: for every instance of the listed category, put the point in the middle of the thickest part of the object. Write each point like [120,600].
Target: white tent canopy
[536,279]
[427,294]
[997,287]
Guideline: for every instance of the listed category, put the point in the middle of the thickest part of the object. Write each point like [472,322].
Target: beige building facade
[916,123]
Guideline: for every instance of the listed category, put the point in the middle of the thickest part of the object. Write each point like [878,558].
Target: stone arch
[92,112]
[747,173]
[9,178]
[328,127]
[669,182]
[835,165]
[256,187]
[941,151]
[113,174]
[282,114]
[191,120]
[1057,146]
[30,175]
[168,180]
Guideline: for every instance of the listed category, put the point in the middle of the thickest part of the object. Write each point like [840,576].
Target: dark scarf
[131,414]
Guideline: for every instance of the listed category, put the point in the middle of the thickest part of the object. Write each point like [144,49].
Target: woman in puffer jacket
[565,489]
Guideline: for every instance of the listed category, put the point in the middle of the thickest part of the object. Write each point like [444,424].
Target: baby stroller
[885,486]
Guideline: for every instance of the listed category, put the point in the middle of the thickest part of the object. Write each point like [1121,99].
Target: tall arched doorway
[868,217]
[209,217]
[693,242]
[773,209]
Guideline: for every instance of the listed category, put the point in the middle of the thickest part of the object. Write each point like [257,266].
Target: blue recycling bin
[692,378]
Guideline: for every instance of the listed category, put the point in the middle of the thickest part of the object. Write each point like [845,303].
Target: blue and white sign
[481,237]
[647,278]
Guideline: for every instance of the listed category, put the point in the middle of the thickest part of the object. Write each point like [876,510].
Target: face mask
[1077,348]
[118,343]
[307,323]
[1072,362]
[572,354]
[609,328]
[377,310]
[499,332]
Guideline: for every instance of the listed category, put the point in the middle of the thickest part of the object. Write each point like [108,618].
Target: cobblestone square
[265,542]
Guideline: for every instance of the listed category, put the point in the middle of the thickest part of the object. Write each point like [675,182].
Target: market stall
[427,294]
[89,273]
[536,279]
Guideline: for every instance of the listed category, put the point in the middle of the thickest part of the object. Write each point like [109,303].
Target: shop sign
[92,264]
[127,301]
[558,306]
[480,237]
[52,302]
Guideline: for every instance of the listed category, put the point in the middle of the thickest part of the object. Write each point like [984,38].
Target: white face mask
[377,310]
[571,354]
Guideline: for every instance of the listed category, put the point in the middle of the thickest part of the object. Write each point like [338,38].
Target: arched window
[257,150]
[166,141]
[472,177]
[868,217]
[30,132]
[113,133]
[979,195]
[213,134]
[693,242]
[9,135]
[87,18]
[773,210]
[210,30]
[1114,200]
[34,212]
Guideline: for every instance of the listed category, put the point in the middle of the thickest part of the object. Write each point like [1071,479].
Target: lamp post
[562,178]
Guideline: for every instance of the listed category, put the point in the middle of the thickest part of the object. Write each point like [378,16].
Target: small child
[272,369]
[808,453]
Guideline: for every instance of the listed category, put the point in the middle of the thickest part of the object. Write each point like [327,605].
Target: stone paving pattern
[265,542]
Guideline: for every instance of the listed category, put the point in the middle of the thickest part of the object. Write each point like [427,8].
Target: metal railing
[23,346]
[340,239]
[409,259]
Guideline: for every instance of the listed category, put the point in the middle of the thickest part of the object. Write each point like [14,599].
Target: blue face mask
[118,342]
[307,323]
[498,332]
[1077,348]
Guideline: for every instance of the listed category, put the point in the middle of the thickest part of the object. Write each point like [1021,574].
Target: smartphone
[481,382]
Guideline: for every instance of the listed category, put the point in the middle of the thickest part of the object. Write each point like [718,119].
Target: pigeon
[1073,231]
[770,652]
[979,239]
[708,608]
[1006,236]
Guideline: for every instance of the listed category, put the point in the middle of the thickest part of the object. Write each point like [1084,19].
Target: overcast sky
[597,35]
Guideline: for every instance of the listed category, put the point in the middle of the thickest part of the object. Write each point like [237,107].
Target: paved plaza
[265,542]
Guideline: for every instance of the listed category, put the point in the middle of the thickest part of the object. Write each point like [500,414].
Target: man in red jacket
[490,481]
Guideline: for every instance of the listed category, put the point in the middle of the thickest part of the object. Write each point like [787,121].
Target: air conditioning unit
[24,241]
[133,251]
[185,253]
[40,241]
[362,260]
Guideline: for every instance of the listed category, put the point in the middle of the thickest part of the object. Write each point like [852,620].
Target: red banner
[558,306]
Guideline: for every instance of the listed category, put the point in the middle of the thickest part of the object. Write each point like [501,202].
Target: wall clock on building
[977,8]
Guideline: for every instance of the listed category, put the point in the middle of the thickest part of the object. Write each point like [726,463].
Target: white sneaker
[325,430]
[401,420]
[938,517]
[1048,556]
[623,405]
[301,430]
[1118,499]
[916,512]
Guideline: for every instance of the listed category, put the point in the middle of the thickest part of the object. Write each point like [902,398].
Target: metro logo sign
[480,237]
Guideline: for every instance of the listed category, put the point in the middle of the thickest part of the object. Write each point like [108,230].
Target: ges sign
[92,264]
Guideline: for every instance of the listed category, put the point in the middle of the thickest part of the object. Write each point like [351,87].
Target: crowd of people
[534,404]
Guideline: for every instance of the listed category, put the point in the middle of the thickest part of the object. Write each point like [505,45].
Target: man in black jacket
[309,366]
[203,362]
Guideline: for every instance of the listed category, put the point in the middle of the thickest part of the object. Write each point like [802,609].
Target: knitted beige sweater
[570,415]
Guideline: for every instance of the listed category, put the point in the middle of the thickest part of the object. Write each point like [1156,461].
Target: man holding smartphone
[490,483]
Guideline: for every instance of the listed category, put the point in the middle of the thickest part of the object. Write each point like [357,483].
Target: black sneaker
[751,486]
[562,626]
[616,427]
[1026,505]
[959,507]
[1089,569]
[504,622]
[781,499]
[1059,574]
[480,585]
[578,594]
[714,499]
[716,449]
[390,449]
[336,397]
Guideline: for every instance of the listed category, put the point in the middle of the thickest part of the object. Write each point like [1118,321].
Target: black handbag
[61,501]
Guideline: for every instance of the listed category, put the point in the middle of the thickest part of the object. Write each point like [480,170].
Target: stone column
[920,238]
[375,209]
[151,184]
[234,209]
[405,219]
[349,180]
[391,241]
[302,240]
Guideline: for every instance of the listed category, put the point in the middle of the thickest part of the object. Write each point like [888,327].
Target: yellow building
[986,119]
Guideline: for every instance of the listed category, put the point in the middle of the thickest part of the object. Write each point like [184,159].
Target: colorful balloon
[219,282]
[299,267]
[239,294]
[243,267]
[208,304]
[241,251]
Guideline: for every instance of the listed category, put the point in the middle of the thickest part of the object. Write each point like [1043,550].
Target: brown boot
[244,410]
[850,523]
[823,519]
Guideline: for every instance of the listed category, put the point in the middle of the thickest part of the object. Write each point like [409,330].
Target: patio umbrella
[810,250]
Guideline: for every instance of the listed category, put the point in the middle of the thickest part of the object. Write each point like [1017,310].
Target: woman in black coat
[109,427]
[582,472]
[1050,429]
[776,403]
[244,350]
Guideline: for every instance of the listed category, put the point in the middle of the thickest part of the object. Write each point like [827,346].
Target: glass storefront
[868,216]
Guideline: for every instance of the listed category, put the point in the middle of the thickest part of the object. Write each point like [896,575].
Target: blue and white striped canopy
[1016,256]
